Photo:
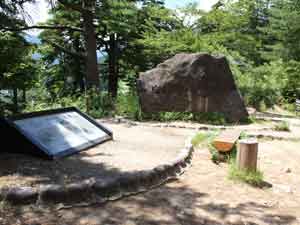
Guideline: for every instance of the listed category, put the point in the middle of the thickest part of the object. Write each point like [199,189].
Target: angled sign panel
[55,133]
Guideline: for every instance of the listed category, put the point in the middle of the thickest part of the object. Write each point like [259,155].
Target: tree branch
[102,42]
[75,7]
[68,51]
[44,27]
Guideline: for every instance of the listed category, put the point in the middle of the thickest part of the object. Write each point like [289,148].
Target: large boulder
[191,83]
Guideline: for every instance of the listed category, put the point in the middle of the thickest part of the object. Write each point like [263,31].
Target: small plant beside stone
[252,177]
[206,140]
[282,126]
[203,139]
[243,166]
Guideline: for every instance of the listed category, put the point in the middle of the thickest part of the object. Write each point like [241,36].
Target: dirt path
[203,195]
[134,148]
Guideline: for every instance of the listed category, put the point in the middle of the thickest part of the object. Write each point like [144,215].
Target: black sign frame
[18,141]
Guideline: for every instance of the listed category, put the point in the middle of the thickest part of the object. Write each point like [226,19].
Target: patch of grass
[203,139]
[216,156]
[282,126]
[251,177]
[209,118]
[243,135]
[254,119]
[213,118]
[128,106]
[248,120]
[206,140]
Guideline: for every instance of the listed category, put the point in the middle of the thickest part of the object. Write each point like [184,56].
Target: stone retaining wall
[98,191]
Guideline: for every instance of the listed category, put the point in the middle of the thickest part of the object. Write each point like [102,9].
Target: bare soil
[203,195]
[133,148]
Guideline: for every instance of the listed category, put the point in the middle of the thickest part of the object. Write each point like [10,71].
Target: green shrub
[68,101]
[216,156]
[262,86]
[248,176]
[214,118]
[98,105]
[290,107]
[210,118]
[282,126]
[127,105]
[203,139]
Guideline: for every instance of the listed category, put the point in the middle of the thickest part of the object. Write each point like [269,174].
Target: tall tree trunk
[92,76]
[15,100]
[79,80]
[24,95]
[113,76]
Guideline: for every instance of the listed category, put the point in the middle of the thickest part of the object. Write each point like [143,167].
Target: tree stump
[247,154]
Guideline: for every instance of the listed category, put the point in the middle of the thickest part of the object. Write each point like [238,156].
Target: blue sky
[177,3]
[203,4]
[39,10]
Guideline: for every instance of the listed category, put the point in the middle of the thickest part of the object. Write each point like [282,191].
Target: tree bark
[43,27]
[113,75]
[79,78]
[15,100]
[92,75]
[24,95]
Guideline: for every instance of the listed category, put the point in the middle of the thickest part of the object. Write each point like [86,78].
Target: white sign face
[61,131]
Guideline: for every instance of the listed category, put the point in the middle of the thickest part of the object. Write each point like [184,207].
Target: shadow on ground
[170,204]
[23,169]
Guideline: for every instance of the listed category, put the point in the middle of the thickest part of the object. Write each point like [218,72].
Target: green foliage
[260,39]
[243,135]
[284,30]
[254,178]
[94,103]
[128,106]
[270,84]
[68,101]
[214,118]
[216,156]
[210,118]
[206,140]
[282,126]
[203,139]
[17,69]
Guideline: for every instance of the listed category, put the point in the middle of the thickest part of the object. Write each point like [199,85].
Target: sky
[39,11]
[203,4]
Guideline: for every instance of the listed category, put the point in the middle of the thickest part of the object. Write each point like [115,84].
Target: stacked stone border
[94,191]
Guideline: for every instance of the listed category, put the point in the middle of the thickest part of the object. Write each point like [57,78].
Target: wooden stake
[247,154]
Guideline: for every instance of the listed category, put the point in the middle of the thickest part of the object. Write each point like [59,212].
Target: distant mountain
[101,56]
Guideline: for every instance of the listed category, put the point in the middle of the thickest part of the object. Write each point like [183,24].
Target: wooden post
[247,154]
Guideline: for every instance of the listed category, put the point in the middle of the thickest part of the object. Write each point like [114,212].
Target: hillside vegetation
[91,52]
